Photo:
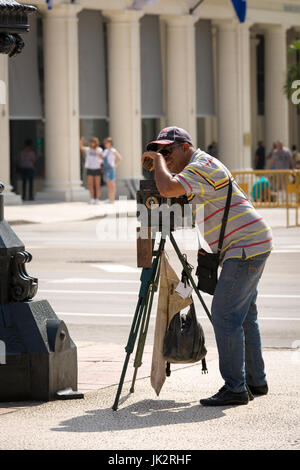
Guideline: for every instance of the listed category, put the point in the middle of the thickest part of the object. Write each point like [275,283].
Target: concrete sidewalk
[32,212]
[172,421]
[52,212]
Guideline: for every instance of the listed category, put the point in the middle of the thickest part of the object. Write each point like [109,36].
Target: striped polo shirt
[205,180]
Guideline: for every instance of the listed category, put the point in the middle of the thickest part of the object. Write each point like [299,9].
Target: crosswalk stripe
[115,268]
[109,292]
[91,281]
[119,315]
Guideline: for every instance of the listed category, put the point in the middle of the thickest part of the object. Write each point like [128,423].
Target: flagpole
[191,10]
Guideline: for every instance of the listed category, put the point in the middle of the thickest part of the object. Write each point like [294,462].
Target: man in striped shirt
[181,169]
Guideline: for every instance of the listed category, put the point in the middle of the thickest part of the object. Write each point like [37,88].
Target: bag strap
[225,216]
[224,220]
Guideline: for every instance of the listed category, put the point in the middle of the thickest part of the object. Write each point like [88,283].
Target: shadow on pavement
[143,414]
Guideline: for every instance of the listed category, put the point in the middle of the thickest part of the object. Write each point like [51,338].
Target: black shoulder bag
[208,263]
[184,340]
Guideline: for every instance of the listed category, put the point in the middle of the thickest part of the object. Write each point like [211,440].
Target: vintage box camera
[161,213]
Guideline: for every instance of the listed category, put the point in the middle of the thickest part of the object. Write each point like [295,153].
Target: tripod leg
[129,348]
[188,273]
[144,327]
[147,277]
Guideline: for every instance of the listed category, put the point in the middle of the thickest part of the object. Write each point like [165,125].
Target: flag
[240,7]
[139,4]
[50,4]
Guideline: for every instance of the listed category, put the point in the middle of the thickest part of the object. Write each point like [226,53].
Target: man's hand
[166,184]
[149,159]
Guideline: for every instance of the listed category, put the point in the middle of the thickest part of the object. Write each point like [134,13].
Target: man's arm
[166,184]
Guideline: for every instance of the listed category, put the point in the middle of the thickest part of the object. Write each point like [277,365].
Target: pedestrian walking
[26,162]
[281,158]
[182,169]
[260,156]
[111,159]
[93,161]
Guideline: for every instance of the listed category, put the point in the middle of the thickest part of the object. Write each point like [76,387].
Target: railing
[272,188]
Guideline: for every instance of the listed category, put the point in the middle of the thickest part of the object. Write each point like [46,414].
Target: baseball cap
[169,135]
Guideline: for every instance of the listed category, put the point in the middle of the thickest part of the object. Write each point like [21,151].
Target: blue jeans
[109,174]
[234,317]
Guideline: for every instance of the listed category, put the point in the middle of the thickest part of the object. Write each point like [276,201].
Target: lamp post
[13,22]
[38,359]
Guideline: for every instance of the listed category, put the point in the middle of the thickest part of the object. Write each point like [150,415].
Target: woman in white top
[111,159]
[93,162]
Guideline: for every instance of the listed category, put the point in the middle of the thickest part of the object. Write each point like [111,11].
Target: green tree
[293,71]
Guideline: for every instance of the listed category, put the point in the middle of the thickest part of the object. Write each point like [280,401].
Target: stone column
[253,46]
[62,105]
[9,196]
[211,122]
[234,108]
[181,73]
[276,103]
[124,74]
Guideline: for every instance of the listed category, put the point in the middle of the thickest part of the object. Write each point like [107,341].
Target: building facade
[101,67]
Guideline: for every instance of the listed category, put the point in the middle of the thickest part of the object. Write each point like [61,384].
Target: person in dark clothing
[26,162]
[260,156]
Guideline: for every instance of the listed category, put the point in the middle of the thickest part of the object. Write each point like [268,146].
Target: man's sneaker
[92,201]
[226,397]
[260,390]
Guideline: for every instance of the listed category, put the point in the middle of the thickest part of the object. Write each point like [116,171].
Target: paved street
[89,276]
[92,283]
